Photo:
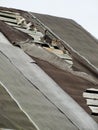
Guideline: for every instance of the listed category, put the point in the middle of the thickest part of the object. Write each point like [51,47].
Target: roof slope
[46,72]
[74,36]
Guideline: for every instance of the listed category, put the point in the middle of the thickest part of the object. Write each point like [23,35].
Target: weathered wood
[8,15]
[90,95]
[92,102]
[8,20]
[9,12]
[94,109]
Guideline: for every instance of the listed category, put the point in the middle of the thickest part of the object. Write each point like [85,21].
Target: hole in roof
[44,45]
[56,47]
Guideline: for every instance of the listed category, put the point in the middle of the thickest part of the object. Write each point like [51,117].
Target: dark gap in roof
[9,22]
[55,47]
[91,91]
[1,15]
[44,45]
[94,105]
[94,114]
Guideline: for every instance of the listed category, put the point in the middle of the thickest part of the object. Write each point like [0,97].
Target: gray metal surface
[13,52]
[11,116]
[3,39]
[39,110]
[48,88]
[75,38]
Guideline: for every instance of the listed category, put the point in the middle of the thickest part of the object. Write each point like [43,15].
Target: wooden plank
[92,89]
[90,95]
[94,109]
[8,15]
[8,20]
[35,34]
[92,102]
[9,12]
[13,24]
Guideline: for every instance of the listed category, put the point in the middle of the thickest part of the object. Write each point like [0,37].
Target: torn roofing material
[15,35]
[75,38]
[41,96]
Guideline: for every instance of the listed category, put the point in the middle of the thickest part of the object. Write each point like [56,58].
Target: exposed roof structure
[48,73]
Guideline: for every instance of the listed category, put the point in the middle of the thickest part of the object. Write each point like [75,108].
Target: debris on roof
[22,25]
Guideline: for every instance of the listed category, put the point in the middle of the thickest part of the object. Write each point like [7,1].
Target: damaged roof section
[75,38]
[91,96]
[47,42]
[15,35]
[64,79]
[49,109]
[41,110]
[7,18]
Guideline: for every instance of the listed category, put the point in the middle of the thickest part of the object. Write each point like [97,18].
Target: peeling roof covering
[41,76]
[75,37]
